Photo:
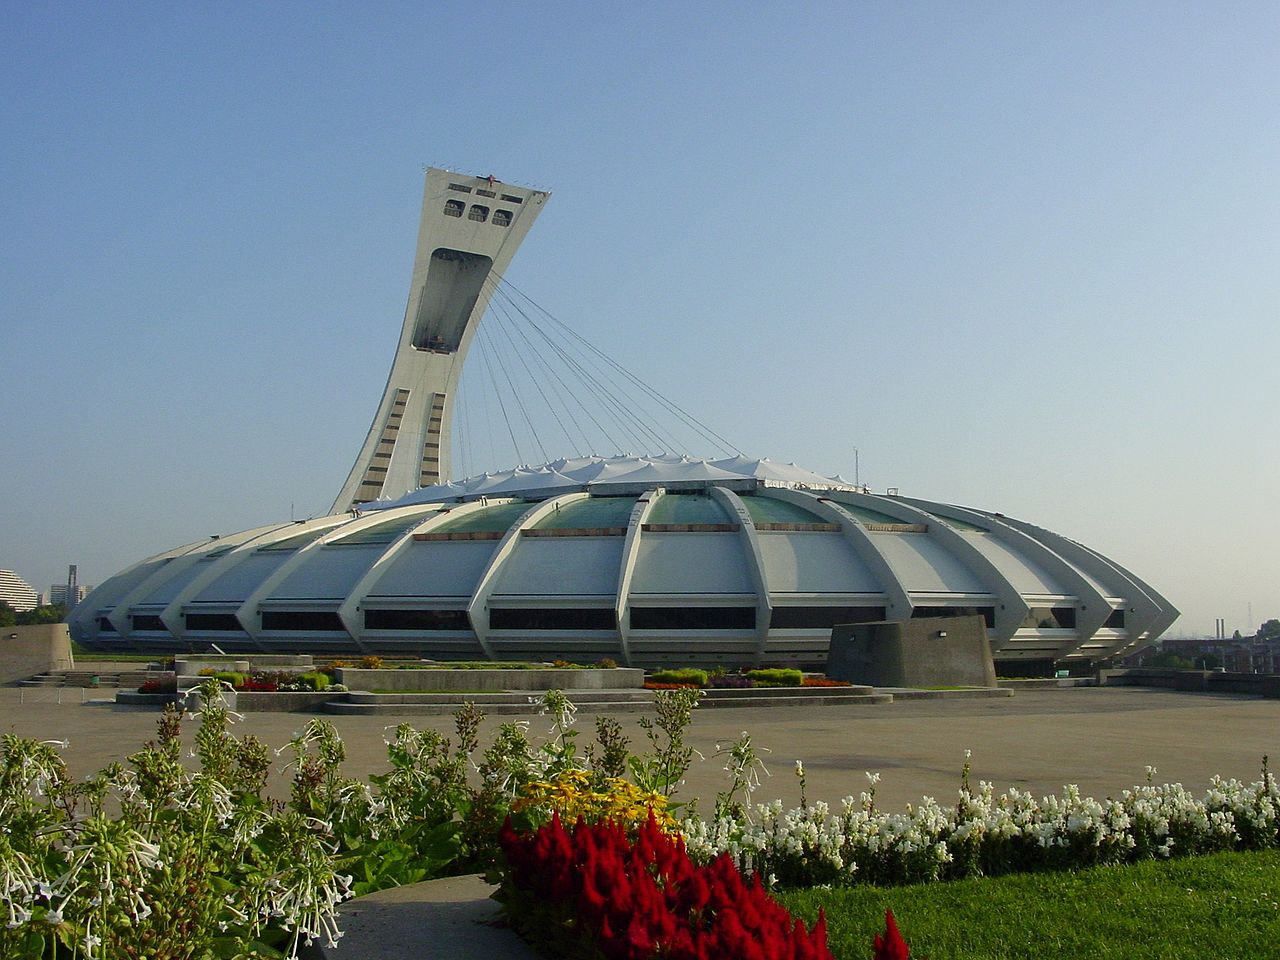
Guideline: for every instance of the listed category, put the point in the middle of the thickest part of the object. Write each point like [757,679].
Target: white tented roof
[598,473]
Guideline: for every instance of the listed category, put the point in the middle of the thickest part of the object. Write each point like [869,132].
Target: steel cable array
[551,383]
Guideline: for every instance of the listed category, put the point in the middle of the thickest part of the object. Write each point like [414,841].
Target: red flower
[639,899]
[891,946]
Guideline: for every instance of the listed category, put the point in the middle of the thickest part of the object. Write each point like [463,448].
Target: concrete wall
[409,681]
[928,652]
[191,666]
[27,651]
[1208,681]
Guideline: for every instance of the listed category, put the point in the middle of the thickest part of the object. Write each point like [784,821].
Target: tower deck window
[510,199]
[485,193]
[460,187]
[478,213]
[453,208]
[502,218]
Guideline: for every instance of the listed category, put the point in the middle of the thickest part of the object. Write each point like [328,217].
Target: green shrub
[682,675]
[236,680]
[317,680]
[775,677]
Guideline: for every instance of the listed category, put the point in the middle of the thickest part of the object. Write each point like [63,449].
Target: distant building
[58,593]
[16,592]
[1246,655]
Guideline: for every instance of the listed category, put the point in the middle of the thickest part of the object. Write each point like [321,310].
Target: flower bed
[720,680]
[592,891]
[271,681]
[490,679]
[985,834]
[729,681]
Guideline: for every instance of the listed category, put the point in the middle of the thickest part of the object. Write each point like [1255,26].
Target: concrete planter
[253,701]
[133,698]
[496,680]
[191,666]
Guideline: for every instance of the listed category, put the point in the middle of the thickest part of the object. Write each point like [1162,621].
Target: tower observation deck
[470,229]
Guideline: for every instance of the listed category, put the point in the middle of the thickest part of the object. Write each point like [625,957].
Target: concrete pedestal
[928,652]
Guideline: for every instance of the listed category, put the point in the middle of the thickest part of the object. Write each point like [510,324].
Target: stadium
[647,560]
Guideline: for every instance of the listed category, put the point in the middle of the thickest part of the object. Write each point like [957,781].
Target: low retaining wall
[252,701]
[496,680]
[246,701]
[246,663]
[1207,681]
[133,698]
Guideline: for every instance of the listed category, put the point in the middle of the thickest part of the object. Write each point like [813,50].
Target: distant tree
[8,618]
[53,613]
[1270,630]
[1169,660]
[1208,661]
[1235,635]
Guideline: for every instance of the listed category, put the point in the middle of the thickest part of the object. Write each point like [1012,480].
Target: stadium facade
[646,560]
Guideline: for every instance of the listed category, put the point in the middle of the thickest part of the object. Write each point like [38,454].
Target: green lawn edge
[1221,906]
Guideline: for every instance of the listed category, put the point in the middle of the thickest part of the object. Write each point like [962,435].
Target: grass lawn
[1221,906]
[85,654]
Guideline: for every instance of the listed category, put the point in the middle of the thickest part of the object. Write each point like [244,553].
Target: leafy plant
[150,859]
[775,677]
[682,675]
[663,769]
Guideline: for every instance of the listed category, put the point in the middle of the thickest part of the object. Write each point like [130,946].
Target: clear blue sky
[1024,257]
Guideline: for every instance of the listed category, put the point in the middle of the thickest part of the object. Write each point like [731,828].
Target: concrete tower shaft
[470,229]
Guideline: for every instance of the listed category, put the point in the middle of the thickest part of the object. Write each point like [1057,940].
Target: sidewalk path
[451,919]
[1100,738]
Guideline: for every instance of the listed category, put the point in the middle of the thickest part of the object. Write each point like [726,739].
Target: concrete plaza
[1037,740]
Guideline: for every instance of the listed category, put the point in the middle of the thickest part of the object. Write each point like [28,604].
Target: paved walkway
[451,919]
[1100,738]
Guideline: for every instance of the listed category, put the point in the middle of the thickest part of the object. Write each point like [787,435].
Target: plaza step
[819,697]
[86,678]
[526,702]
[359,702]
[751,693]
